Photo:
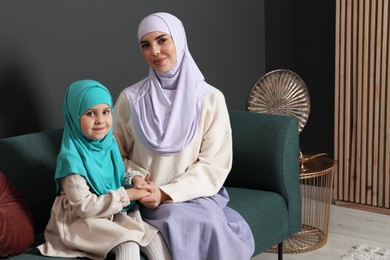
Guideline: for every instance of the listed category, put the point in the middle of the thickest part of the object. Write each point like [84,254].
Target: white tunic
[83,224]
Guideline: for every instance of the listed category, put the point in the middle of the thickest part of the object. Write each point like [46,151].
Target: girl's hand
[136,194]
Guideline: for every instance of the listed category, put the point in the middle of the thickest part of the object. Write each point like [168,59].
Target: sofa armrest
[266,157]
[29,162]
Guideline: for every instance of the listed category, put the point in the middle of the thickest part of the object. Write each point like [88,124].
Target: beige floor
[347,227]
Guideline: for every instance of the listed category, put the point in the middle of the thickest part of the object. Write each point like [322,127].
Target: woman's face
[159,51]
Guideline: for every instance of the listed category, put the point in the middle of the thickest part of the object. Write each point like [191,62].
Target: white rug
[366,252]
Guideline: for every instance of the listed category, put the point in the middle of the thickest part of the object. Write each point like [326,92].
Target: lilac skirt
[203,229]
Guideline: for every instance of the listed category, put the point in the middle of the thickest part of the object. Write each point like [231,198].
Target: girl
[88,217]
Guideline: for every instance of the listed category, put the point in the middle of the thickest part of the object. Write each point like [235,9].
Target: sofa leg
[280,251]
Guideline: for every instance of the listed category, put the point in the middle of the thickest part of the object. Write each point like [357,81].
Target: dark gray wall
[47,44]
[300,36]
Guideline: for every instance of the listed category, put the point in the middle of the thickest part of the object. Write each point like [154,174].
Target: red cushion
[16,224]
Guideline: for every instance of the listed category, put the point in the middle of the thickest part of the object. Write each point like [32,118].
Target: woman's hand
[141,184]
[140,189]
[156,197]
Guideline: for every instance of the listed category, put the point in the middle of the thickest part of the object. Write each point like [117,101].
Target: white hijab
[166,106]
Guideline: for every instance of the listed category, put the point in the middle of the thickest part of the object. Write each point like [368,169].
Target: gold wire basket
[316,179]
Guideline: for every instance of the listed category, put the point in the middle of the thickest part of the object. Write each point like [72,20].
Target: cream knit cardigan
[199,170]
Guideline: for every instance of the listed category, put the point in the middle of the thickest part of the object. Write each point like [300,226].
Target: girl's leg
[127,251]
[157,249]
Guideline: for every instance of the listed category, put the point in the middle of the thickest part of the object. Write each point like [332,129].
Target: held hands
[136,194]
[156,195]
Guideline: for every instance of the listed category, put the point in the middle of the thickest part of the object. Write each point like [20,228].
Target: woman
[173,129]
[88,217]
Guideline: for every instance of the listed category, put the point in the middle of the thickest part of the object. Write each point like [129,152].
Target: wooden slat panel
[386,77]
[336,96]
[376,104]
[380,90]
[354,81]
[359,91]
[362,102]
[347,100]
[337,125]
[370,102]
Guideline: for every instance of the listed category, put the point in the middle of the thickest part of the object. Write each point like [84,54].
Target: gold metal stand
[316,198]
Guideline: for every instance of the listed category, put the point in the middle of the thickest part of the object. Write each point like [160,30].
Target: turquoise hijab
[98,161]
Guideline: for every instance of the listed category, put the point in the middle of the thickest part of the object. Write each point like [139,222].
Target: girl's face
[159,51]
[96,122]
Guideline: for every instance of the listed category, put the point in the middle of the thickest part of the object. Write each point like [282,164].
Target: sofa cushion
[266,213]
[16,224]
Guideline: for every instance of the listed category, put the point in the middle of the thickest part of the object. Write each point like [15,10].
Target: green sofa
[263,184]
